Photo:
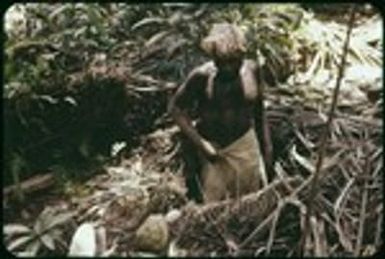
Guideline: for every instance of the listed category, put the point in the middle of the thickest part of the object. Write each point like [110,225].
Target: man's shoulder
[204,69]
[250,64]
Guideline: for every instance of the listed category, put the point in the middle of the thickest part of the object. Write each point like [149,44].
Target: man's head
[225,44]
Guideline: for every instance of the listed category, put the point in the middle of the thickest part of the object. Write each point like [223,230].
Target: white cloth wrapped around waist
[238,170]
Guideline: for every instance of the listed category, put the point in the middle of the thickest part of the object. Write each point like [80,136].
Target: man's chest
[224,93]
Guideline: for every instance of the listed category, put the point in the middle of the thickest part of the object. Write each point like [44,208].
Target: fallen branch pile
[348,208]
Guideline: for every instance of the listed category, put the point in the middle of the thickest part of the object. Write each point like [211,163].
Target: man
[223,156]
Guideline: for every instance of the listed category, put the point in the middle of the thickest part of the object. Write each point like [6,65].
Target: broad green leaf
[20,241]
[59,219]
[177,4]
[59,11]
[156,38]
[57,235]
[80,32]
[32,248]
[41,222]
[171,49]
[148,21]
[95,18]
[70,100]
[49,99]
[14,229]
[48,241]
[24,254]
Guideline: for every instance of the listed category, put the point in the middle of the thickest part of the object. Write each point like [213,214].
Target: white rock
[83,242]
[152,235]
[173,215]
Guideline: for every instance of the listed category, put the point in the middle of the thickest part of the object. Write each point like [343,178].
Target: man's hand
[209,151]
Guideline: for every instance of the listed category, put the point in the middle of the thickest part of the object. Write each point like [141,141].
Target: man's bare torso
[226,110]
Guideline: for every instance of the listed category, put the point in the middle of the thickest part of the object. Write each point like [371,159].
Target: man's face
[228,64]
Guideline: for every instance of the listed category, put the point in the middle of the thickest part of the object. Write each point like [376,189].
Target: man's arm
[261,120]
[264,134]
[254,91]
[185,95]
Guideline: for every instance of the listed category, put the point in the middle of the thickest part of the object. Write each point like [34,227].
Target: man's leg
[192,170]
